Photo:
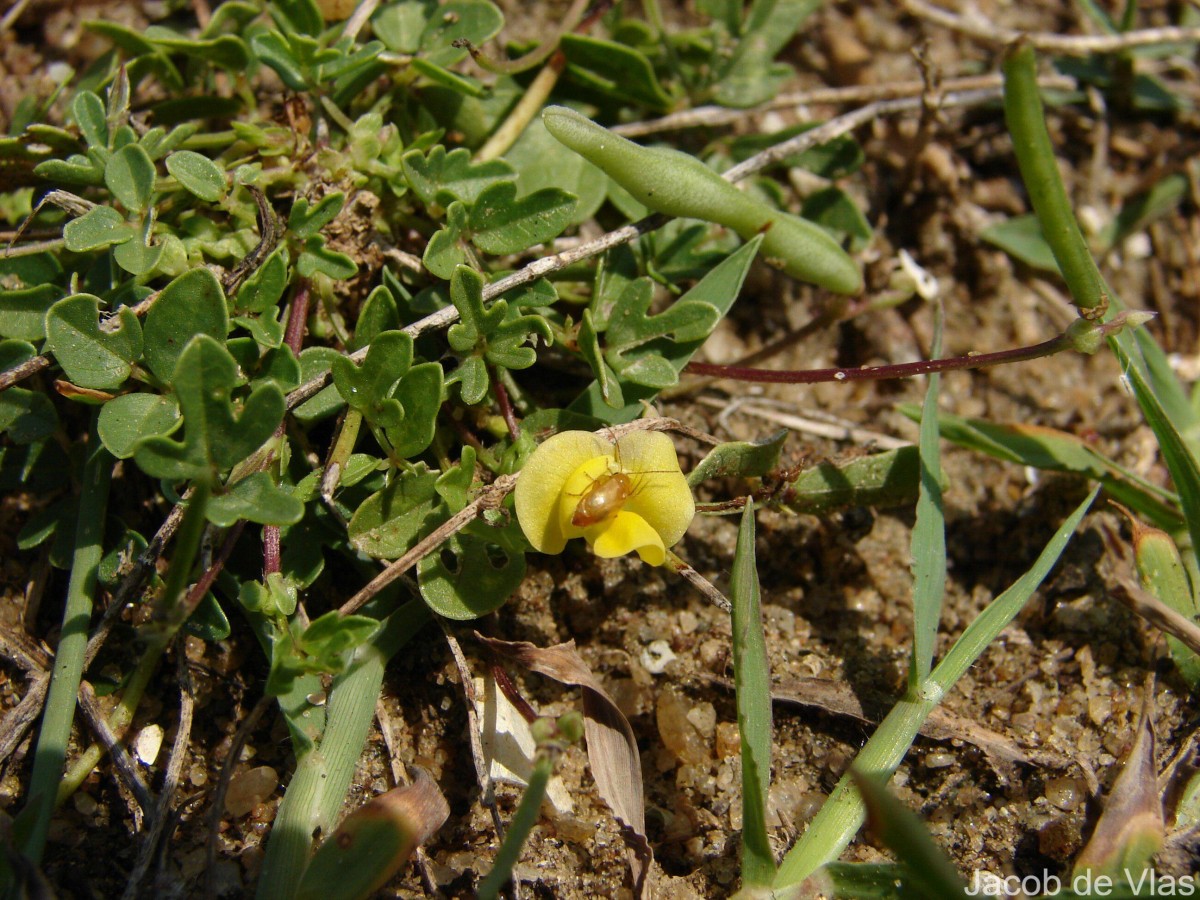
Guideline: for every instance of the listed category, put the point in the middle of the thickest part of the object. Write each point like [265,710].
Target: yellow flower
[631,496]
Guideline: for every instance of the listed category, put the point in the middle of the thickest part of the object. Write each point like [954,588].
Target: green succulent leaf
[192,304]
[501,224]
[197,174]
[90,356]
[215,437]
[127,419]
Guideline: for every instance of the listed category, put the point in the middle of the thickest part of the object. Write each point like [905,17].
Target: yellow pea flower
[619,498]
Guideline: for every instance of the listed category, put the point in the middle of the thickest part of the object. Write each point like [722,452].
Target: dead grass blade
[611,747]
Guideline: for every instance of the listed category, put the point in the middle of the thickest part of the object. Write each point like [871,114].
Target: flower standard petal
[540,489]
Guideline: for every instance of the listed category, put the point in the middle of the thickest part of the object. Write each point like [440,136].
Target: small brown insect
[604,498]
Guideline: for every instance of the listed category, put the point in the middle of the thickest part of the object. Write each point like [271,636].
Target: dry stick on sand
[988,32]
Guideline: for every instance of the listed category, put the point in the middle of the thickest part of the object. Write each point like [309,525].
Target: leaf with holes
[463,580]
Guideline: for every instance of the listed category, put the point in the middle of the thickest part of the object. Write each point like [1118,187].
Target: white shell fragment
[147,744]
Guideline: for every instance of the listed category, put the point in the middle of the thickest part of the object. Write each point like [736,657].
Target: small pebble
[656,656]
[1065,793]
[147,744]
[250,788]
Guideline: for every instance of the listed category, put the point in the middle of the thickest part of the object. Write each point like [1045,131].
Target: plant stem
[34,821]
[318,788]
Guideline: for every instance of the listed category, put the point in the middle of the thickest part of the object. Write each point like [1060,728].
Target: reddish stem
[506,407]
[293,337]
[880,373]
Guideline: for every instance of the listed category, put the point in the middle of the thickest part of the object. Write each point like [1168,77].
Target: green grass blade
[1178,456]
[843,813]
[929,534]
[752,677]
[522,823]
[51,752]
[932,874]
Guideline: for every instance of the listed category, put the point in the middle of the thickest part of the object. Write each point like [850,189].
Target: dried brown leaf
[611,747]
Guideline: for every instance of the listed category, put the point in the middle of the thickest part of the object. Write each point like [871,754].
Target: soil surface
[1033,735]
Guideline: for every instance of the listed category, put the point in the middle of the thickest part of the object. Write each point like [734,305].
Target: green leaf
[378,314]
[467,578]
[884,479]
[99,227]
[316,257]
[420,393]
[718,289]
[126,419]
[476,21]
[129,174]
[331,636]
[401,25]
[208,621]
[303,16]
[472,378]
[26,416]
[1021,238]
[442,177]
[136,256]
[543,162]
[390,522]
[589,347]
[91,357]
[256,498]
[502,224]
[23,312]
[305,222]
[630,326]
[227,51]
[192,304]
[316,361]
[274,51]
[457,84]
[443,254]
[615,70]
[753,682]
[91,118]
[368,388]
[739,459]
[198,174]
[834,210]
[750,75]
[215,437]
[262,290]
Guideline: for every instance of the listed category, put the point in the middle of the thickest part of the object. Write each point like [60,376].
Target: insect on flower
[623,497]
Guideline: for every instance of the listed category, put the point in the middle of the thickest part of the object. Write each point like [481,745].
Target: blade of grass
[522,823]
[932,874]
[843,813]
[34,820]
[318,788]
[929,532]
[752,677]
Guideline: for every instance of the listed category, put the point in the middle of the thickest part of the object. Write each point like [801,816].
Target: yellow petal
[540,489]
[661,495]
[624,532]
[582,480]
